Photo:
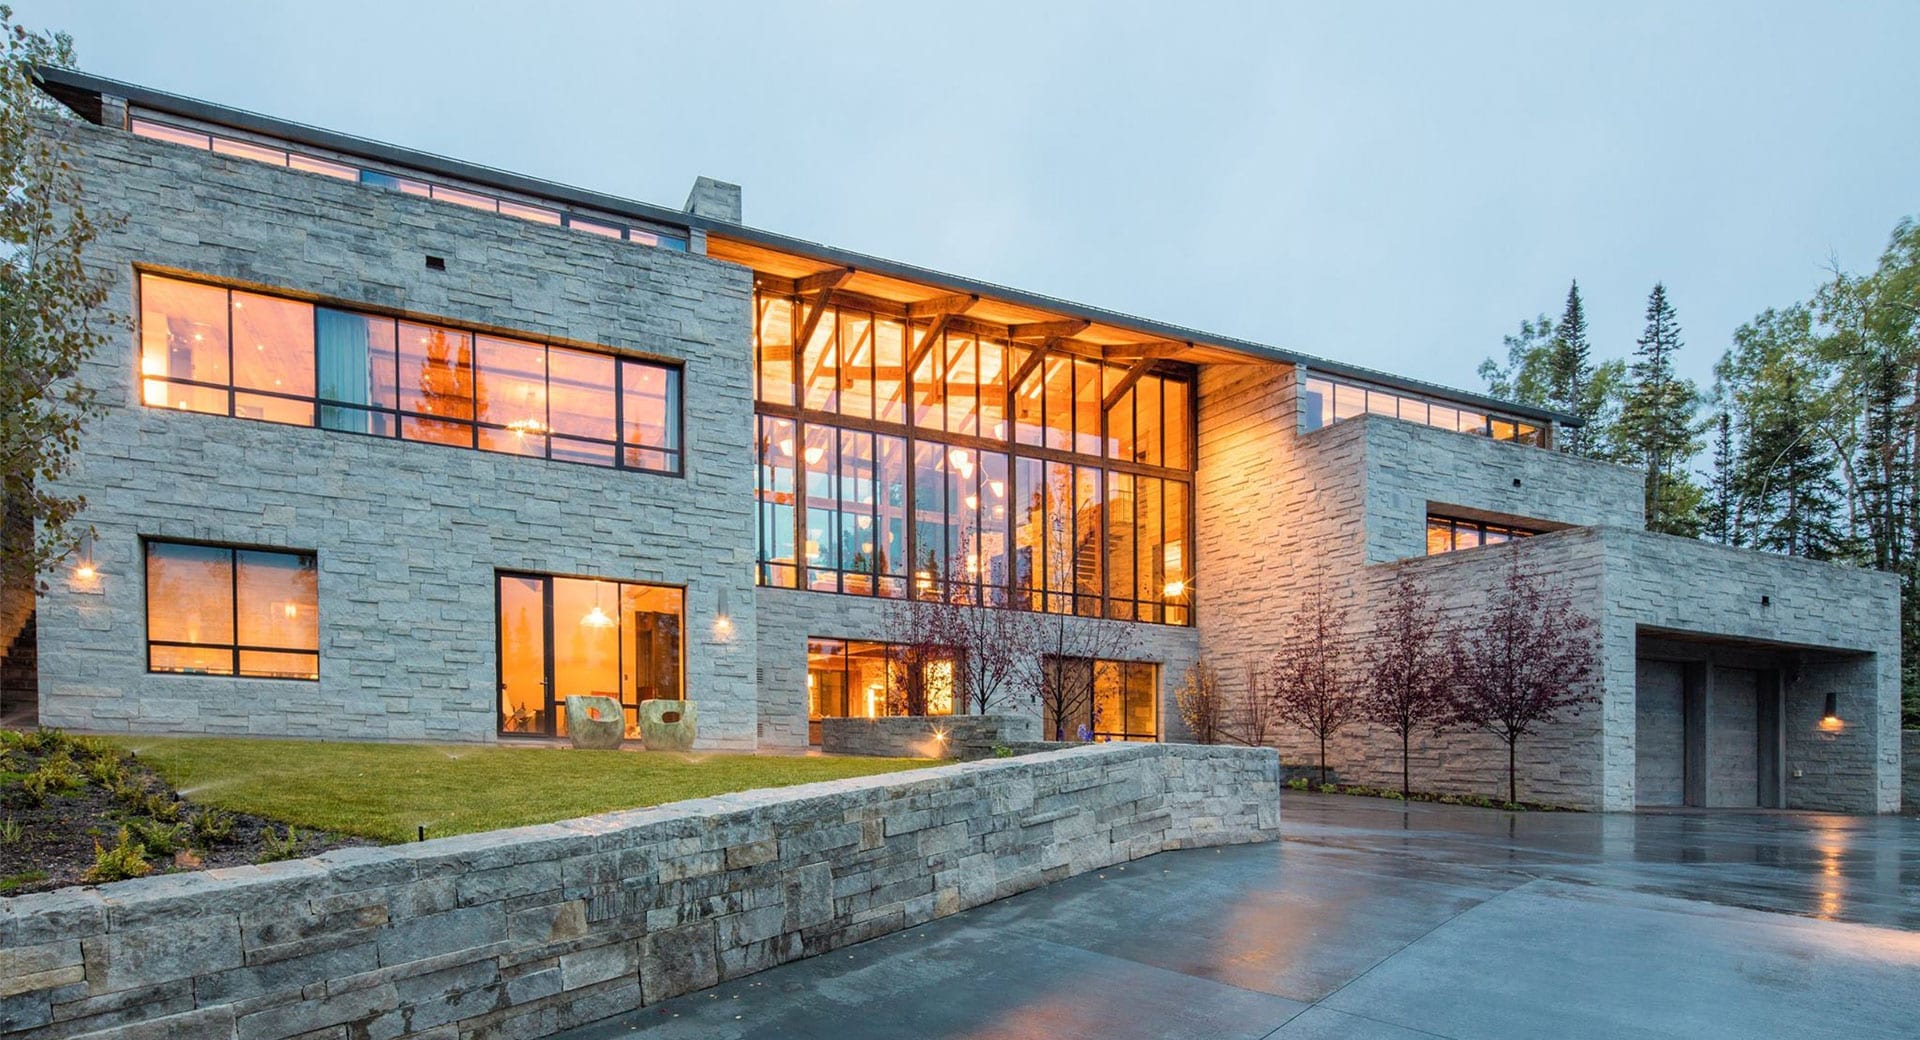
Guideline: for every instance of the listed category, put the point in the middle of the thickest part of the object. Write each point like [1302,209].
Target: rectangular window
[254,356]
[925,468]
[1323,402]
[1446,533]
[217,610]
[1101,700]
[867,679]
[273,155]
[565,637]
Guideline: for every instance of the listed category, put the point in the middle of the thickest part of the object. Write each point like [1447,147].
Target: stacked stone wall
[409,537]
[525,932]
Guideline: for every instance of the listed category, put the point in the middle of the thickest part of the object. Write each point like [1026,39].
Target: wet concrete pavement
[1377,921]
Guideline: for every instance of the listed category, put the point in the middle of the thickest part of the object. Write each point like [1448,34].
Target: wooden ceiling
[796,273]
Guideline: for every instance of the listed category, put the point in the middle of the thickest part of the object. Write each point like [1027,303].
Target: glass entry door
[563,637]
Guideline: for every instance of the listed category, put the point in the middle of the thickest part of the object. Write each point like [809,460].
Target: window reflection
[865,679]
[255,356]
[564,637]
[1446,533]
[1324,402]
[940,501]
[215,610]
[1110,700]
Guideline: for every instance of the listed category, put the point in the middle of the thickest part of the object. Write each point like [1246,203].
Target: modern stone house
[669,454]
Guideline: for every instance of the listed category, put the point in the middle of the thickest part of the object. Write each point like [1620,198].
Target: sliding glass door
[564,637]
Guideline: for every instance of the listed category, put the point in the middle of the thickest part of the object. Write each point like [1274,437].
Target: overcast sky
[1395,186]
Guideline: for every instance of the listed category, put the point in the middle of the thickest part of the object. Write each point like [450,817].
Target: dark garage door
[1660,734]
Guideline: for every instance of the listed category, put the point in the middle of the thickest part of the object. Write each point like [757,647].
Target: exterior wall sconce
[722,618]
[1830,719]
[84,569]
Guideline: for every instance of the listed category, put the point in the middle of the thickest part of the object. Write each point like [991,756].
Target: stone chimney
[715,200]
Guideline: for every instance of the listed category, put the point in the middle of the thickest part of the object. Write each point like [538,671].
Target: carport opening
[1712,719]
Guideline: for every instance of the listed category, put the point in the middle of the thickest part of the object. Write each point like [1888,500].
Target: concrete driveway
[1375,921]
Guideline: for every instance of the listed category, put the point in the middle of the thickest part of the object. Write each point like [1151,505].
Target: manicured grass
[387,791]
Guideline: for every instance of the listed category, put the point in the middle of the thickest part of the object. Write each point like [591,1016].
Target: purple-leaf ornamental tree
[1407,667]
[1525,662]
[1309,680]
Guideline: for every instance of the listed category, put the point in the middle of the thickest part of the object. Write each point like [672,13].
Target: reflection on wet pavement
[1374,919]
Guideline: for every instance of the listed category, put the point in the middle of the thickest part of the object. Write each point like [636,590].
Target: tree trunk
[1406,789]
[1513,788]
[1323,760]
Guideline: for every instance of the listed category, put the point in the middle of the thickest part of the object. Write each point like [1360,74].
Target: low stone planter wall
[924,736]
[524,932]
[1910,770]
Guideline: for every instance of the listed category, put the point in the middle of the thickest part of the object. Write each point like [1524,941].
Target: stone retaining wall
[925,736]
[525,932]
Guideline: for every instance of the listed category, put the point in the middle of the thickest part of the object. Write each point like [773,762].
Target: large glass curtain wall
[888,464]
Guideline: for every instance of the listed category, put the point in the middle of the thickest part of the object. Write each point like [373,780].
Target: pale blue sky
[1392,185]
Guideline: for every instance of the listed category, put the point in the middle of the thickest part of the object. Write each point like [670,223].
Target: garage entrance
[1707,734]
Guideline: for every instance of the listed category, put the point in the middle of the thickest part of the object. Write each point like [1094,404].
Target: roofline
[427,162]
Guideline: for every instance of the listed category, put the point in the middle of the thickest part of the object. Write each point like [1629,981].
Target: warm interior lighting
[523,427]
[597,618]
[1830,719]
[291,610]
[1175,588]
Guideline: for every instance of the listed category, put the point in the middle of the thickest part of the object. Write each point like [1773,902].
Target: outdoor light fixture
[85,570]
[1830,719]
[722,617]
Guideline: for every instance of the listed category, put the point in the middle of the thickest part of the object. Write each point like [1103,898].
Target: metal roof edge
[427,162]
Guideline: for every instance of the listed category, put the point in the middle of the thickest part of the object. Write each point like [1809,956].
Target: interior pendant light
[597,618]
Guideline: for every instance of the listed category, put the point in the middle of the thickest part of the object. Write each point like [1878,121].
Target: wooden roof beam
[942,306]
[1033,361]
[1159,348]
[821,281]
[1044,330]
[1134,372]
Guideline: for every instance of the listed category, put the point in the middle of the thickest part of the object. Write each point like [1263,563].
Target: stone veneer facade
[409,537]
[525,932]
[1348,506]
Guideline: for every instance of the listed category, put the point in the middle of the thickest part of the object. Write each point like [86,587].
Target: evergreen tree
[1719,517]
[1657,427]
[1550,366]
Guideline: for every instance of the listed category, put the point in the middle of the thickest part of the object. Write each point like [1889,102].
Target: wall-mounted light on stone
[722,618]
[83,568]
[1830,719]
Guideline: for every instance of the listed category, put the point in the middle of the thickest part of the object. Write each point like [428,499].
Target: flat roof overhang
[783,256]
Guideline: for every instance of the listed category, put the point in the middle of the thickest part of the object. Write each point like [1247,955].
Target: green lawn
[387,791]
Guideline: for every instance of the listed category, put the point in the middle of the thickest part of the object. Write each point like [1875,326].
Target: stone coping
[523,932]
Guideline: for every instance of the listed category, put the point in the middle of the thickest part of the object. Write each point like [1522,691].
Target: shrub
[275,848]
[159,839]
[1298,783]
[212,827]
[161,806]
[56,775]
[125,860]
[9,831]
[1002,751]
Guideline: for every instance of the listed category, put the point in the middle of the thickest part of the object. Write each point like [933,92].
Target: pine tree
[1569,372]
[1550,366]
[1657,422]
[1720,515]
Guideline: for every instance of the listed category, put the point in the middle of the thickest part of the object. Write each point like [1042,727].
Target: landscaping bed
[1475,800]
[86,810]
[80,810]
